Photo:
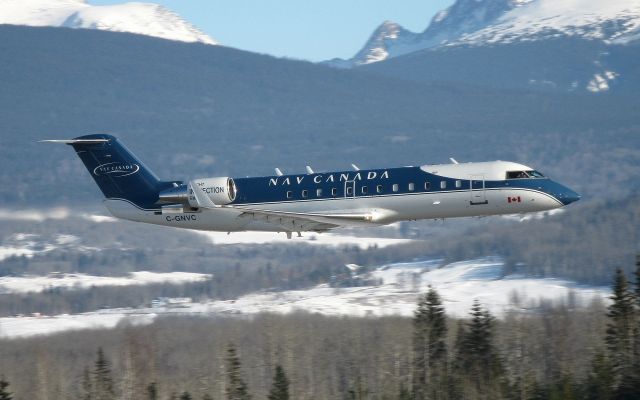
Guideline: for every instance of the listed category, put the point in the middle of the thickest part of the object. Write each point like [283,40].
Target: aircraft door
[350,189]
[478,192]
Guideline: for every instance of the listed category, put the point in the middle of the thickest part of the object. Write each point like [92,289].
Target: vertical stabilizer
[117,171]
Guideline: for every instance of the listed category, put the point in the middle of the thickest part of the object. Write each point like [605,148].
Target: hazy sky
[304,29]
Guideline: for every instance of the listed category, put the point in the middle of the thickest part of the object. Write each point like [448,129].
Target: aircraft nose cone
[568,196]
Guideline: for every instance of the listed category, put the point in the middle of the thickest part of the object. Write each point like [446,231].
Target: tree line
[557,352]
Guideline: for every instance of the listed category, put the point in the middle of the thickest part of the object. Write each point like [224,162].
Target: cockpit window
[535,174]
[517,175]
[524,174]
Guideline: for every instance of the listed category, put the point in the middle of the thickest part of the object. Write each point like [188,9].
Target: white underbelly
[388,208]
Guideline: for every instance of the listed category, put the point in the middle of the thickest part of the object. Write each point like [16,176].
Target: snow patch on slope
[25,284]
[611,20]
[27,245]
[459,284]
[400,286]
[483,22]
[133,17]
[600,82]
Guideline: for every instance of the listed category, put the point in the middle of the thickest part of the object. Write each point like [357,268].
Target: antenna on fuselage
[453,160]
[309,170]
[278,172]
[355,167]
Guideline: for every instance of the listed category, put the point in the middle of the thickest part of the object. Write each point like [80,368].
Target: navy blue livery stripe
[370,183]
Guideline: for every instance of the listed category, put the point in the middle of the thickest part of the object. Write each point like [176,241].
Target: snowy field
[24,284]
[400,285]
[320,239]
[28,245]
[459,284]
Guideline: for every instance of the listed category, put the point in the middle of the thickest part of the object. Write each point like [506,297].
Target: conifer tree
[638,280]
[102,385]
[477,361]
[4,389]
[600,379]
[636,333]
[404,394]
[87,390]
[280,386]
[620,334]
[429,346]
[152,391]
[236,388]
[185,396]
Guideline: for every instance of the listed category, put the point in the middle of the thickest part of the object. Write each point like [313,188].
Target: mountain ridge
[483,22]
[133,17]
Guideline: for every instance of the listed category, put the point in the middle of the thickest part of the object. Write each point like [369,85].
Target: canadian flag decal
[514,199]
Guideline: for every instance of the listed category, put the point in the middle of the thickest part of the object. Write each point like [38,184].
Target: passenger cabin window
[305,194]
[318,192]
[334,191]
[349,190]
[379,188]
[458,184]
[443,184]
[412,187]
[395,187]
[289,194]
[427,186]
[365,190]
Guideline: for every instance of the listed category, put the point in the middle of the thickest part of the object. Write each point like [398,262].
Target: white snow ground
[458,283]
[134,17]
[25,284]
[27,245]
[320,239]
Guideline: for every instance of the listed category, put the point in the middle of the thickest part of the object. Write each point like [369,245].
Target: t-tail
[117,171]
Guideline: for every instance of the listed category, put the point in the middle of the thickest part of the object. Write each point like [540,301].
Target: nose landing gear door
[478,192]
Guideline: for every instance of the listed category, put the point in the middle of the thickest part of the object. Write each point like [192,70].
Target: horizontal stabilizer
[75,141]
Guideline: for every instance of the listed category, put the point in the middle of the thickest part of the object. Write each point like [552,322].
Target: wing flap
[336,218]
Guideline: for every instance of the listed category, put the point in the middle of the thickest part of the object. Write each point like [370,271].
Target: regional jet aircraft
[314,201]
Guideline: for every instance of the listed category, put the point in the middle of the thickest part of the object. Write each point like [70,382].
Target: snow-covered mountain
[133,17]
[482,22]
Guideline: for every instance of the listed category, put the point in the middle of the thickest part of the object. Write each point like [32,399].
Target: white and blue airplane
[314,201]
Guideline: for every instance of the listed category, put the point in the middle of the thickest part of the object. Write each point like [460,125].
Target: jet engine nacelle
[221,191]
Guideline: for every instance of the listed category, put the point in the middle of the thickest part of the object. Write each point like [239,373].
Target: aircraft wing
[288,220]
[334,218]
[300,221]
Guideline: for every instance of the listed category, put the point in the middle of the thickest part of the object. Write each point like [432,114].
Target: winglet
[453,160]
[309,170]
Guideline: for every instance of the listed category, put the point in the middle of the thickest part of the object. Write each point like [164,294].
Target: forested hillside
[557,353]
[554,65]
[192,110]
